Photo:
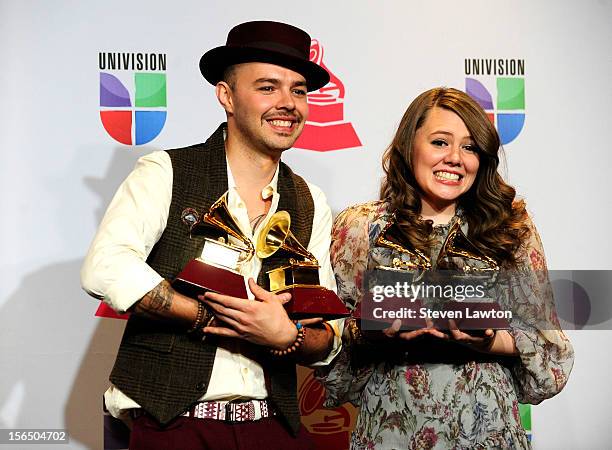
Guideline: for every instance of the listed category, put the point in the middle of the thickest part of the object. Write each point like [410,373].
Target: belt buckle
[229,413]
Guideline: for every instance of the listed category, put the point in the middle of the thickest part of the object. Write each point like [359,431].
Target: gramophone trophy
[461,263]
[300,276]
[408,266]
[415,259]
[216,269]
[460,254]
[460,268]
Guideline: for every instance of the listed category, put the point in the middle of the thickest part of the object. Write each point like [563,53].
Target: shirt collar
[268,191]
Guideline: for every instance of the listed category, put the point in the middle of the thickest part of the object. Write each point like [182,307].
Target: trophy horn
[457,244]
[219,217]
[277,235]
[417,259]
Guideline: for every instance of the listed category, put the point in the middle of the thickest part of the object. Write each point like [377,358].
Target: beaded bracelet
[299,339]
[197,324]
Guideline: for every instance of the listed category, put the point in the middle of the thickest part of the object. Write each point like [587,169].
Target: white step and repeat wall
[545,65]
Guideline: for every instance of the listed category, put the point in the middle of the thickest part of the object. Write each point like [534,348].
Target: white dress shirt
[115,268]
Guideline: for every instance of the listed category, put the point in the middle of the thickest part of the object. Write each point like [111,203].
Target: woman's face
[444,158]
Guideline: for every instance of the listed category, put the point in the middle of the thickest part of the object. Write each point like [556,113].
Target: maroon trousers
[187,433]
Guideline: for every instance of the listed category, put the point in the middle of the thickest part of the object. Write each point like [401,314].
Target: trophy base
[314,301]
[198,277]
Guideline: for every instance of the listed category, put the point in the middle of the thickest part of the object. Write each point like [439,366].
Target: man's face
[267,106]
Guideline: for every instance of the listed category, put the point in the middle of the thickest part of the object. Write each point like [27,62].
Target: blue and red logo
[507,111]
[134,114]
[133,95]
[498,85]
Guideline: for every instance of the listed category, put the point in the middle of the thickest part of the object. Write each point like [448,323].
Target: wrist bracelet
[299,339]
[199,319]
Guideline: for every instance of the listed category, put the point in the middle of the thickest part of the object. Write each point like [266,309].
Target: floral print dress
[431,405]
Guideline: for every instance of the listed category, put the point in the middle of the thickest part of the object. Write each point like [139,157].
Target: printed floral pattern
[430,405]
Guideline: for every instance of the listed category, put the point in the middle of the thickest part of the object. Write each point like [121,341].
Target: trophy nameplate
[202,275]
[293,275]
[300,277]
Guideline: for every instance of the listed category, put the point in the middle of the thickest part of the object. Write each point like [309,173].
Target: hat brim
[214,62]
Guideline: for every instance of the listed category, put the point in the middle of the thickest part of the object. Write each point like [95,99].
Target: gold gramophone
[220,252]
[300,276]
[416,259]
[409,266]
[460,254]
[217,268]
[457,252]
[461,264]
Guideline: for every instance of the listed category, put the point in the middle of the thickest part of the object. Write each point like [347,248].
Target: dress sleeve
[546,356]
[349,253]
[349,257]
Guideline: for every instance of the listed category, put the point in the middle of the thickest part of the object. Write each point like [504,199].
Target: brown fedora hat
[268,42]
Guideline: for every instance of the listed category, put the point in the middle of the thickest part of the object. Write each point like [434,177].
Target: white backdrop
[60,167]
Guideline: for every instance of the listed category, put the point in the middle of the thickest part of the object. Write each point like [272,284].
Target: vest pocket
[150,334]
[159,342]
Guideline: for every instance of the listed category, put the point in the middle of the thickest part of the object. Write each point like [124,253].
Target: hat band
[274,47]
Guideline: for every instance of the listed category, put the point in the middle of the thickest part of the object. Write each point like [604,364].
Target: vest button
[200,386]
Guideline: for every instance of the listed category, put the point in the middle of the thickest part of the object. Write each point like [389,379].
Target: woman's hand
[496,342]
[394,331]
[480,343]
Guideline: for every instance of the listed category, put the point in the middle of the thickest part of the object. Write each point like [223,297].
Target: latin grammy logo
[326,128]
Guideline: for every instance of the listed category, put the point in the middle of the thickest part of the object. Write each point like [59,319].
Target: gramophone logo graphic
[330,429]
[326,128]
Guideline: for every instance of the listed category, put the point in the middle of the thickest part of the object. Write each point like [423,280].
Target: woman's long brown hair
[497,223]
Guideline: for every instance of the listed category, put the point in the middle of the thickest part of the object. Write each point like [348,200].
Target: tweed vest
[158,365]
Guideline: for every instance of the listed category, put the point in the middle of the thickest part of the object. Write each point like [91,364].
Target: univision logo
[500,90]
[133,97]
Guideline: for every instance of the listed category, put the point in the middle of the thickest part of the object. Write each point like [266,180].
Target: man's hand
[263,321]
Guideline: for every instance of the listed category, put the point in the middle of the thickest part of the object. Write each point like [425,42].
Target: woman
[452,389]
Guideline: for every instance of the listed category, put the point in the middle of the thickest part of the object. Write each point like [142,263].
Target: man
[236,388]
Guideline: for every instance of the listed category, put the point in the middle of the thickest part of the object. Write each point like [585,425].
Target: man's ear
[224,95]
